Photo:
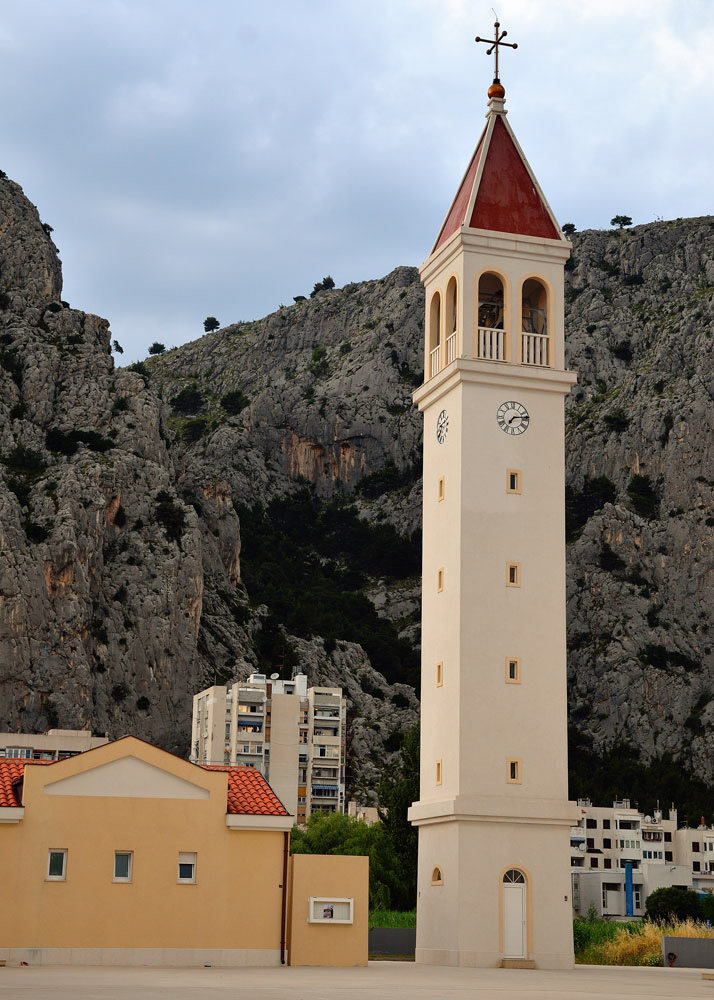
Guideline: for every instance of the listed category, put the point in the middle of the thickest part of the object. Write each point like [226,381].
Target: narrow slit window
[438,772]
[437,876]
[440,580]
[440,489]
[513,481]
[513,771]
[513,575]
[57,866]
[122,866]
[186,867]
[513,670]
[439,674]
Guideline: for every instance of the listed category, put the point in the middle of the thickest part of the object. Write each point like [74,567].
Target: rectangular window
[695,846]
[593,862]
[513,575]
[667,837]
[439,674]
[122,866]
[591,824]
[186,867]
[513,481]
[606,824]
[607,863]
[606,842]
[590,843]
[604,897]
[513,771]
[695,866]
[513,670]
[440,580]
[57,866]
[440,489]
[638,897]
[438,772]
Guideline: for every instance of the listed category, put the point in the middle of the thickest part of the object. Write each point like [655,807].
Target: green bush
[24,461]
[157,348]
[188,401]
[234,402]
[170,516]
[140,368]
[194,429]
[673,903]
[67,443]
[580,505]
[643,496]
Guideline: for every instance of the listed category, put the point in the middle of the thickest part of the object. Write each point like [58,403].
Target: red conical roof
[498,191]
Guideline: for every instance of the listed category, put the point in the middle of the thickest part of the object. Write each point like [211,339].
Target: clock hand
[516,416]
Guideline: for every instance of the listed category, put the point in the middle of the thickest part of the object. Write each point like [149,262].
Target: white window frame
[63,876]
[121,878]
[316,904]
[186,858]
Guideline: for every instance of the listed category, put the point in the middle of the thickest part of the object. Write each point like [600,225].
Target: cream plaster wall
[235,904]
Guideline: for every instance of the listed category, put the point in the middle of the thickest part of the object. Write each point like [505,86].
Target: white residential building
[293,734]
[55,744]
[608,839]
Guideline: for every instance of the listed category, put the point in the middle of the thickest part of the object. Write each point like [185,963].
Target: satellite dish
[581,847]
[648,819]
[274,677]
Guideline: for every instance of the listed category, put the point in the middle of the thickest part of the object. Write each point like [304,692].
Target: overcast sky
[217,157]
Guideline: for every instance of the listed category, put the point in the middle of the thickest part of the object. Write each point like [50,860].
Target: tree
[157,348]
[398,788]
[621,221]
[323,286]
[116,347]
[569,228]
[210,324]
[673,903]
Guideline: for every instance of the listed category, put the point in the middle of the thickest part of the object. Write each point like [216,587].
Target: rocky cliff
[123,588]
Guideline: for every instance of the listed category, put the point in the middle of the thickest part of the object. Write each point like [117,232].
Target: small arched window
[490,333]
[534,319]
[437,876]
[451,318]
[435,335]
[514,877]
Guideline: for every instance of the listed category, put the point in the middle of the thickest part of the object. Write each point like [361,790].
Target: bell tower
[493,813]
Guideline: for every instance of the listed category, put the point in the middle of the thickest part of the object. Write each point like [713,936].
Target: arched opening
[437,876]
[515,914]
[490,332]
[534,323]
[452,296]
[435,335]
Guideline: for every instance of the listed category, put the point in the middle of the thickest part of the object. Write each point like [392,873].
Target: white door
[514,921]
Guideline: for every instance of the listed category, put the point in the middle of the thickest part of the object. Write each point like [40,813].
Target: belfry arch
[491,331]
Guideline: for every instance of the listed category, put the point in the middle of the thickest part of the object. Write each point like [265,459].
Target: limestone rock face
[120,548]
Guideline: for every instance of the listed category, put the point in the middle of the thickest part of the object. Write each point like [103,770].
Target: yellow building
[129,855]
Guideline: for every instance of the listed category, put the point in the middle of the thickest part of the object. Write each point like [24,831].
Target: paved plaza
[392,980]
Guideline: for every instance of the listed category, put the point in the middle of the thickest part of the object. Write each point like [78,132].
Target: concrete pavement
[392,980]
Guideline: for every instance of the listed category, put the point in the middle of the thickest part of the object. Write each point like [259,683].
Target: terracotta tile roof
[11,775]
[248,791]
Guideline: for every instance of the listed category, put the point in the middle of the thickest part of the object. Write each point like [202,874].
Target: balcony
[534,349]
[451,348]
[490,344]
[434,362]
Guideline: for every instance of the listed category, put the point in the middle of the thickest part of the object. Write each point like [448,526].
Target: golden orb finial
[496,90]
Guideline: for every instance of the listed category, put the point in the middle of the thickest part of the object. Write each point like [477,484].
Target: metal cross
[494,43]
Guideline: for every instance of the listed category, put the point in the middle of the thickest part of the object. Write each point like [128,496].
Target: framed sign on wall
[330,910]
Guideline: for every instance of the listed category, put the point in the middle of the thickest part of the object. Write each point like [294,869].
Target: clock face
[513,417]
[442,426]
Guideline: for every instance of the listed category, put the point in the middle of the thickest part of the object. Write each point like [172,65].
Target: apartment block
[293,734]
[608,840]
[55,744]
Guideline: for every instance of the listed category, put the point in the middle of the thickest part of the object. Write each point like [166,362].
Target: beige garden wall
[328,877]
